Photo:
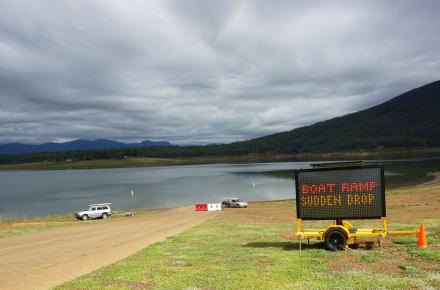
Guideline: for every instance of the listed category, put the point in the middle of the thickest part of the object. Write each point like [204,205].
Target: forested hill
[409,120]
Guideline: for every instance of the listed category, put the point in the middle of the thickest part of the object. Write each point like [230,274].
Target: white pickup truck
[98,210]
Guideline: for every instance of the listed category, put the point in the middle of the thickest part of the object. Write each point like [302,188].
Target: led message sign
[340,193]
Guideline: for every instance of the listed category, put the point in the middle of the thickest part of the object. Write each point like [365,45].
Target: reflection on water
[397,172]
[31,193]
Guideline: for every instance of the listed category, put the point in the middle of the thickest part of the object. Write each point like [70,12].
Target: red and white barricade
[208,207]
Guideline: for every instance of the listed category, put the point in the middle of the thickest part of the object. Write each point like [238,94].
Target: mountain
[408,120]
[18,148]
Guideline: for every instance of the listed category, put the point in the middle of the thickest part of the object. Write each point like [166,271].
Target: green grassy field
[255,248]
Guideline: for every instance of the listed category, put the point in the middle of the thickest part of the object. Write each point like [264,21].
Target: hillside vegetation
[409,120]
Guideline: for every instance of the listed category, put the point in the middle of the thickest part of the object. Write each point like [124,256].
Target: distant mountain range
[80,144]
[408,120]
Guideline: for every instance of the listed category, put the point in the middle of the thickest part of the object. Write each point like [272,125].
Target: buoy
[422,243]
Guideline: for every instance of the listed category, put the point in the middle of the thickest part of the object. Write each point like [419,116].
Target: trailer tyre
[335,241]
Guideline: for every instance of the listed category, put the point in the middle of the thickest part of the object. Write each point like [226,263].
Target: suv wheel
[84,217]
[104,215]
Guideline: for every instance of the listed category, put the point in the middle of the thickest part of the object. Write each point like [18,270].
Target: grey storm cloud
[197,72]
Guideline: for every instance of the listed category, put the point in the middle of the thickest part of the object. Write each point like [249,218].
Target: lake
[35,193]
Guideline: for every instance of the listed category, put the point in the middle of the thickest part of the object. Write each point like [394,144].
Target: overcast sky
[198,72]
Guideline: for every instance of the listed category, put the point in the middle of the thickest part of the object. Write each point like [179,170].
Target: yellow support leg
[385,227]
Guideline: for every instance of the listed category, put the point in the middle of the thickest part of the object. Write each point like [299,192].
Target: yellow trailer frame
[350,233]
[341,234]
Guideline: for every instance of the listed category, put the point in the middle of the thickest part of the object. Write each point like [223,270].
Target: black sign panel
[340,193]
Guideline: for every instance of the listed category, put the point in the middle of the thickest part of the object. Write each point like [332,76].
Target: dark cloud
[204,71]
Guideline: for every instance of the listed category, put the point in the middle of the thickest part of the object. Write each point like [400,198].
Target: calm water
[32,193]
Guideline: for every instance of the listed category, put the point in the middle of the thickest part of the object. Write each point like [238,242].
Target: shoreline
[139,162]
[68,217]
[18,226]
[11,226]
[118,213]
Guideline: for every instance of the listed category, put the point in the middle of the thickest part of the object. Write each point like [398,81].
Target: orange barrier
[201,207]
[422,242]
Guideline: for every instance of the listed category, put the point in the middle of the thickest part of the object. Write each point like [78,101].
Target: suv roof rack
[100,204]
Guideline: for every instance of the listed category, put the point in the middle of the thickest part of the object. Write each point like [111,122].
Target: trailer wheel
[335,241]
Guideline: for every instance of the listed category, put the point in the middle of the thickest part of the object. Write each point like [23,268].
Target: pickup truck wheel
[84,217]
[335,241]
[104,215]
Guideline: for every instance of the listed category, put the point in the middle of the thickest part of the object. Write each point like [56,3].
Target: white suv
[234,202]
[99,210]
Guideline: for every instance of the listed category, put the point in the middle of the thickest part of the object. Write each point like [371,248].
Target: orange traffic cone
[422,243]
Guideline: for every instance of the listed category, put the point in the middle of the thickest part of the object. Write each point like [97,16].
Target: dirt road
[45,259]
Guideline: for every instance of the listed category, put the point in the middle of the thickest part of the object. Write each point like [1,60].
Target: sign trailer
[340,191]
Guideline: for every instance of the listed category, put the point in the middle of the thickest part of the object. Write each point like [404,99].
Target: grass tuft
[372,257]
[405,240]
[426,254]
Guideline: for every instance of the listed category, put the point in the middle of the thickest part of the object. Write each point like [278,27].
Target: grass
[371,257]
[216,256]
[410,270]
[254,249]
[12,227]
[18,226]
[419,188]
[427,254]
